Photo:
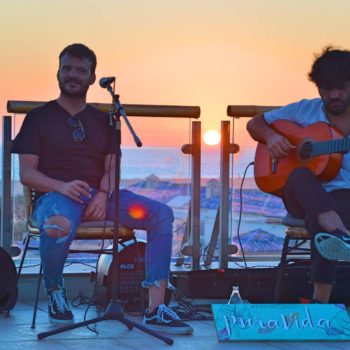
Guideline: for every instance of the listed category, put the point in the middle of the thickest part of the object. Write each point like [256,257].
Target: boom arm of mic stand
[120,109]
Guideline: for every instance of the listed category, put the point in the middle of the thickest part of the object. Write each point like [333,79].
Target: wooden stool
[293,246]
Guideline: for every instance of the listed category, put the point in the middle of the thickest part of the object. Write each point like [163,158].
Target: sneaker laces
[165,311]
[59,300]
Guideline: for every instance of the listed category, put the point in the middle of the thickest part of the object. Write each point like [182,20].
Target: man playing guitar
[324,203]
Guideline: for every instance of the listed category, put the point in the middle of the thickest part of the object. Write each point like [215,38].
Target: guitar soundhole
[305,150]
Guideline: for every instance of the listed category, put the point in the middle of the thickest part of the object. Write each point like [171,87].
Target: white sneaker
[163,319]
[59,310]
[333,246]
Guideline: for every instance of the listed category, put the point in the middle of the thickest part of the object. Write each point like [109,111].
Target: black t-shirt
[45,132]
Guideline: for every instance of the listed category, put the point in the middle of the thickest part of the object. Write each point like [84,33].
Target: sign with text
[239,322]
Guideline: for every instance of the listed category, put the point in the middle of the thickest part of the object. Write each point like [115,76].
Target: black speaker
[257,285]
[8,282]
[131,272]
[297,283]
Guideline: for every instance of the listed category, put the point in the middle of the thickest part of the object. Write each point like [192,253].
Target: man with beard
[66,151]
[325,206]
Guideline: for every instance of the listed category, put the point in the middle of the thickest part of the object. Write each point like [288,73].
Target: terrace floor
[16,332]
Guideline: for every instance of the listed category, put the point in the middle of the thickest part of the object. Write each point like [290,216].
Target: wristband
[106,192]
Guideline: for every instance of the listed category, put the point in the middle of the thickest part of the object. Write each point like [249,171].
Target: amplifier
[131,272]
[257,285]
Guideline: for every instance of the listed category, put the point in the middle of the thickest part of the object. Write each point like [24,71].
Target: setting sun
[211,137]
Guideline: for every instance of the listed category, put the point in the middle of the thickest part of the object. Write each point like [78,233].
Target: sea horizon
[170,163]
[163,173]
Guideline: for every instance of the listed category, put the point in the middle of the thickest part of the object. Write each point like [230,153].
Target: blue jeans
[135,211]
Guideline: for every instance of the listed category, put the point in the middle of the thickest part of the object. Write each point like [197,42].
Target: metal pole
[225,150]
[224,192]
[196,188]
[194,149]
[6,201]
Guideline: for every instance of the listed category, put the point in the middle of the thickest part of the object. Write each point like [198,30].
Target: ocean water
[171,163]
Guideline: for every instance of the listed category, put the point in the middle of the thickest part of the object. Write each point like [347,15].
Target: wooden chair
[87,230]
[295,246]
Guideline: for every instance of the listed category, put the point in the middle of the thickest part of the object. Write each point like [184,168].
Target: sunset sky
[209,53]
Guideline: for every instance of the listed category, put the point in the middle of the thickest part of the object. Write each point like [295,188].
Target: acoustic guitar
[319,147]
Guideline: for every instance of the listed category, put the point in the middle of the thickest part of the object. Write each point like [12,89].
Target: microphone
[104,82]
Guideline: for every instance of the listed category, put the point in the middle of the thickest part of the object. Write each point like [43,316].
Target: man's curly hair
[330,68]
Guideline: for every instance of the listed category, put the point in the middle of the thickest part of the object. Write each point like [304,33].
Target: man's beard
[337,109]
[78,93]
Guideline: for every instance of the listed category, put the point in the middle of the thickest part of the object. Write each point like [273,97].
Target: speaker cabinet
[131,272]
[257,285]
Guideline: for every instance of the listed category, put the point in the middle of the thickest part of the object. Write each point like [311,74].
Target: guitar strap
[8,282]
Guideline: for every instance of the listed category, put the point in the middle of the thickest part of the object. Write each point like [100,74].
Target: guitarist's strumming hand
[278,146]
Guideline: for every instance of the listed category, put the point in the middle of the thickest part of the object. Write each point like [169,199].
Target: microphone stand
[114,310]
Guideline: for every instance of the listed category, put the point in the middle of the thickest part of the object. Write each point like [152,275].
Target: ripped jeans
[135,211]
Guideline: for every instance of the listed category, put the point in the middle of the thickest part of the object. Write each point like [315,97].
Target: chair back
[28,195]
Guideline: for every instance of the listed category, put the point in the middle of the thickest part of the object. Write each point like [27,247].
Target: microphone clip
[106,82]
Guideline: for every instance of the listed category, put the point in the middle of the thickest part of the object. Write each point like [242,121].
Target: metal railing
[237,112]
[221,224]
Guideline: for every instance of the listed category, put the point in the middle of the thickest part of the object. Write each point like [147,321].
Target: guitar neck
[328,147]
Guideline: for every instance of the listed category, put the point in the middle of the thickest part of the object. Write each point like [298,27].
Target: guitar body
[325,167]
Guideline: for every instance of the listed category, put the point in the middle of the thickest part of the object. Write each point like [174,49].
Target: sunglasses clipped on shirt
[78,132]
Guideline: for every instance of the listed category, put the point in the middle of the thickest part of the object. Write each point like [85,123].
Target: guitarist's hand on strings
[278,146]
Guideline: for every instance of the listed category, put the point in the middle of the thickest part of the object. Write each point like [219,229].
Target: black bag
[8,282]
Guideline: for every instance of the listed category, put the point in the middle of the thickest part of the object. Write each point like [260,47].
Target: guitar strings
[325,147]
[332,146]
